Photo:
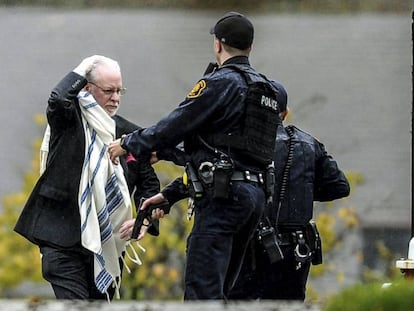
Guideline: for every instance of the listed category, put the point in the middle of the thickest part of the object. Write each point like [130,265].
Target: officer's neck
[236,59]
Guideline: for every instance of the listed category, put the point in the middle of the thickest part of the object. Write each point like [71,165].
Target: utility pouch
[195,188]
[222,172]
[315,243]
[267,238]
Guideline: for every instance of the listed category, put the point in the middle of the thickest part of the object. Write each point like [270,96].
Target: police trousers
[219,238]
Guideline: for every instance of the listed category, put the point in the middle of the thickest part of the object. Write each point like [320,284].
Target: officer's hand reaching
[127,227]
[154,158]
[156,199]
[115,150]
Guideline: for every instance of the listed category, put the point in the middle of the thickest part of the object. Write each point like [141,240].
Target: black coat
[51,214]
[140,175]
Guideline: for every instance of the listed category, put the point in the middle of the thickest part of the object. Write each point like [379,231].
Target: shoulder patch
[197,89]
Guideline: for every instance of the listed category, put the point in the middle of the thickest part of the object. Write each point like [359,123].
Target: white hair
[102,61]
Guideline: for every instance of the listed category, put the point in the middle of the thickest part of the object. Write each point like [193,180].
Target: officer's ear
[217,45]
[284,114]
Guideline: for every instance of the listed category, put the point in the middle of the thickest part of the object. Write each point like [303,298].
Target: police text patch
[270,103]
[197,89]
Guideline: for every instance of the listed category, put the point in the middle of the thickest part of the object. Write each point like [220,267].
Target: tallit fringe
[134,256]
[117,286]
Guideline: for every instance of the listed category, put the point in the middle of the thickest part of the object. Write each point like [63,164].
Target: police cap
[235,30]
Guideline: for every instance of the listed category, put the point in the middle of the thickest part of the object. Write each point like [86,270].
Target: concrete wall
[14,305]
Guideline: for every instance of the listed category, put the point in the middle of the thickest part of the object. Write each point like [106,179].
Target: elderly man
[81,199]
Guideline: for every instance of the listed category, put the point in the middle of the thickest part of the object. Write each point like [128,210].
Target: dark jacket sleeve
[61,111]
[175,191]
[141,177]
[51,214]
[144,183]
[175,155]
[330,182]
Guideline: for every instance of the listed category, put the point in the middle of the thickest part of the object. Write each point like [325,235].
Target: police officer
[305,172]
[212,123]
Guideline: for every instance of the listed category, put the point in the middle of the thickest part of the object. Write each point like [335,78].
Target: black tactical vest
[259,122]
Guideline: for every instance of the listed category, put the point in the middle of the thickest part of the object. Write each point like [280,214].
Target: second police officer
[228,125]
[305,172]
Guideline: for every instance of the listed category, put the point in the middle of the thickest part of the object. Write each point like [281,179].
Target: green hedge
[399,296]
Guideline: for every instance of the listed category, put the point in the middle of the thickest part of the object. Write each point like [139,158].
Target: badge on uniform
[197,89]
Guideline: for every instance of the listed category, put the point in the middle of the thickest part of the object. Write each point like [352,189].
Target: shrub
[399,296]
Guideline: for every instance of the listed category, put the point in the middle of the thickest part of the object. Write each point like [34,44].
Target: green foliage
[19,259]
[374,297]
[335,221]
[386,259]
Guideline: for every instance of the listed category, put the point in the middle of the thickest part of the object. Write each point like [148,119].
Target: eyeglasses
[108,92]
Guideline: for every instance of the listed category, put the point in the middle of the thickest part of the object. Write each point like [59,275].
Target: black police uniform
[313,176]
[222,227]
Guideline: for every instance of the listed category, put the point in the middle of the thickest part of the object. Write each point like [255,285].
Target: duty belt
[286,238]
[247,176]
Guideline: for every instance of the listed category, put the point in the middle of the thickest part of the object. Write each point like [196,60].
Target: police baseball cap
[235,30]
[281,97]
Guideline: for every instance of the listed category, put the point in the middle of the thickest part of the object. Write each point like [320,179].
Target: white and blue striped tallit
[104,201]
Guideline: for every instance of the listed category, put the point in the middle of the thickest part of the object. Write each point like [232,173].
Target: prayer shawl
[104,200]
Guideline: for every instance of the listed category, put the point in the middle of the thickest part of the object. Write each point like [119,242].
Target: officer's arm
[190,116]
[330,182]
[175,155]
[175,191]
